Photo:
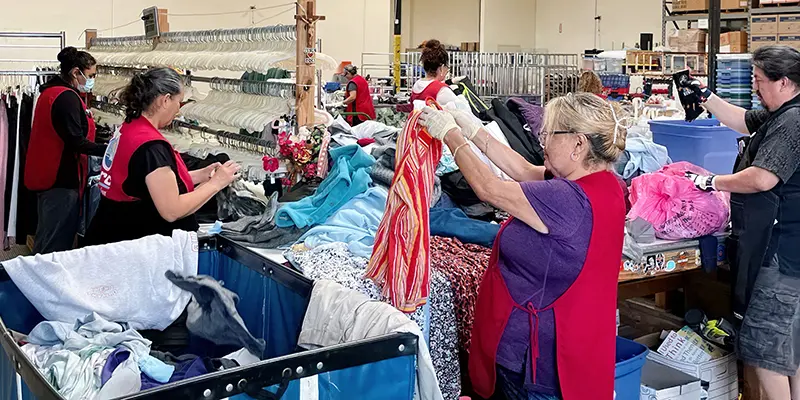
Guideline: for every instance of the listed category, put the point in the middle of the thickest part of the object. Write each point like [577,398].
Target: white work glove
[467,122]
[703,182]
[438,123]
[337,104]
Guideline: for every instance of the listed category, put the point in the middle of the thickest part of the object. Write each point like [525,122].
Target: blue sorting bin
[704,143]
[631,357]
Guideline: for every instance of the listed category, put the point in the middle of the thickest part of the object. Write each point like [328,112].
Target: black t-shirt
[118,221]
[779,150]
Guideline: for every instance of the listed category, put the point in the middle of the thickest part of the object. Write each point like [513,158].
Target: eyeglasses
[544,134]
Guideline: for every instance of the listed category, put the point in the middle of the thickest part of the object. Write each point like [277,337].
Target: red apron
[115,162]
[363,101]
[430,92]
[46,147]
[585,314]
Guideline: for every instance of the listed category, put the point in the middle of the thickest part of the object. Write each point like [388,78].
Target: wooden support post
[306,55]
[89,34]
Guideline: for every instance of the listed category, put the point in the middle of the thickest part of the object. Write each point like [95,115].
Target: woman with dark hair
[357,97]
[765,217]
[435,63]
[62,137]
[146,188]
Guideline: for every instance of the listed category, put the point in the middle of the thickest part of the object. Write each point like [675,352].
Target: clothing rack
[274,89]
[303,35]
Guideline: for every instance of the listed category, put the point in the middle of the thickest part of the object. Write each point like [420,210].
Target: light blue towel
[356,224]
[348,178]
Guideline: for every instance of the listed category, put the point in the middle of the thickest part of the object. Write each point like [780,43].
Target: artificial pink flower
[271,164]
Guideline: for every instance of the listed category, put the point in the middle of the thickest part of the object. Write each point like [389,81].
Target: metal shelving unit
[775,10]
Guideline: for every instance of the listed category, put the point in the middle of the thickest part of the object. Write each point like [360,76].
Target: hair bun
[432,44]
[67,54]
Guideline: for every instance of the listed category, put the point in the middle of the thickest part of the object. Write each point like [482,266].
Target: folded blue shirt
[348,177]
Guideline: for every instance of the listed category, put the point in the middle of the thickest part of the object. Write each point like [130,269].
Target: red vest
[430,92]
[363,101]
[132,135]
[46,147]
[585,314]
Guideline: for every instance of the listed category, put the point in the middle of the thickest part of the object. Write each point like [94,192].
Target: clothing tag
[309,388]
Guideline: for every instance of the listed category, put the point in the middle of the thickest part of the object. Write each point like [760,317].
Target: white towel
[122,282]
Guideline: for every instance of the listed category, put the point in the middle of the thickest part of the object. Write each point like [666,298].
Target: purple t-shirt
[539,268]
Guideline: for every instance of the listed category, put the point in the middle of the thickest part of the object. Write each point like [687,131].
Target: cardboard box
[660,382]
[688,40]
[733,42]
[789,24]
[760,41]
[792,41]
[689,5]
[732,4]
[721,374]
[679,348]
[763,25]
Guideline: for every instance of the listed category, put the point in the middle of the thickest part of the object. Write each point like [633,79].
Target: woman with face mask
[62,137]
[434,62]
[145,185]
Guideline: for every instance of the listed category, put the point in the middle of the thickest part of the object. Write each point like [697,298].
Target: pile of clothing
[86,356]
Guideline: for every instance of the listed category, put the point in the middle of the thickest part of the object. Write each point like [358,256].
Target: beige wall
[568,26]
[509,25]
[352,26]
[450,21]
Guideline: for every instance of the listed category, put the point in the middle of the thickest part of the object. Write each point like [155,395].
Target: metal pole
[32,35]
[63,40]
[714,22]
[398,25]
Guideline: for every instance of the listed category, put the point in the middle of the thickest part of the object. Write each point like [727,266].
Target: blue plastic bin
[628,372]
[702,142]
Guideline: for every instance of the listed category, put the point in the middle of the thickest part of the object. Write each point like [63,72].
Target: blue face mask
[88,86]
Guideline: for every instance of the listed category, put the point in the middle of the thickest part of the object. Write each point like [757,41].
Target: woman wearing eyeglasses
[435,63]
[546,313]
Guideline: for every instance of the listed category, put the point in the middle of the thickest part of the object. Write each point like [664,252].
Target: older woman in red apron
[546,312]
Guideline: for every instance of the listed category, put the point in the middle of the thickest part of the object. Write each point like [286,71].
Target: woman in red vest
[546,312]
[145,185]
[61,138]
[357,97]
[434,61]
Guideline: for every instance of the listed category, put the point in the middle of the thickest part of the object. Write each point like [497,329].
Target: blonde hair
[603,123]
[589,82]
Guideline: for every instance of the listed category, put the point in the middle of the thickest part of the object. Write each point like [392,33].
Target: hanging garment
[26,199]
[11,113]
[120,281]
[400,261]
[363,103]
[590,301]
[348,178]
[212,313]
[4,137]
[338,315]
[12,221]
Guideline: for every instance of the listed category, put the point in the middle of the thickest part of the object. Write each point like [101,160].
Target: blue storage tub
[702,142]
[631,357]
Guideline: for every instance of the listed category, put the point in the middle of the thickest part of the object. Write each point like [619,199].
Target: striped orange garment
[400,262]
